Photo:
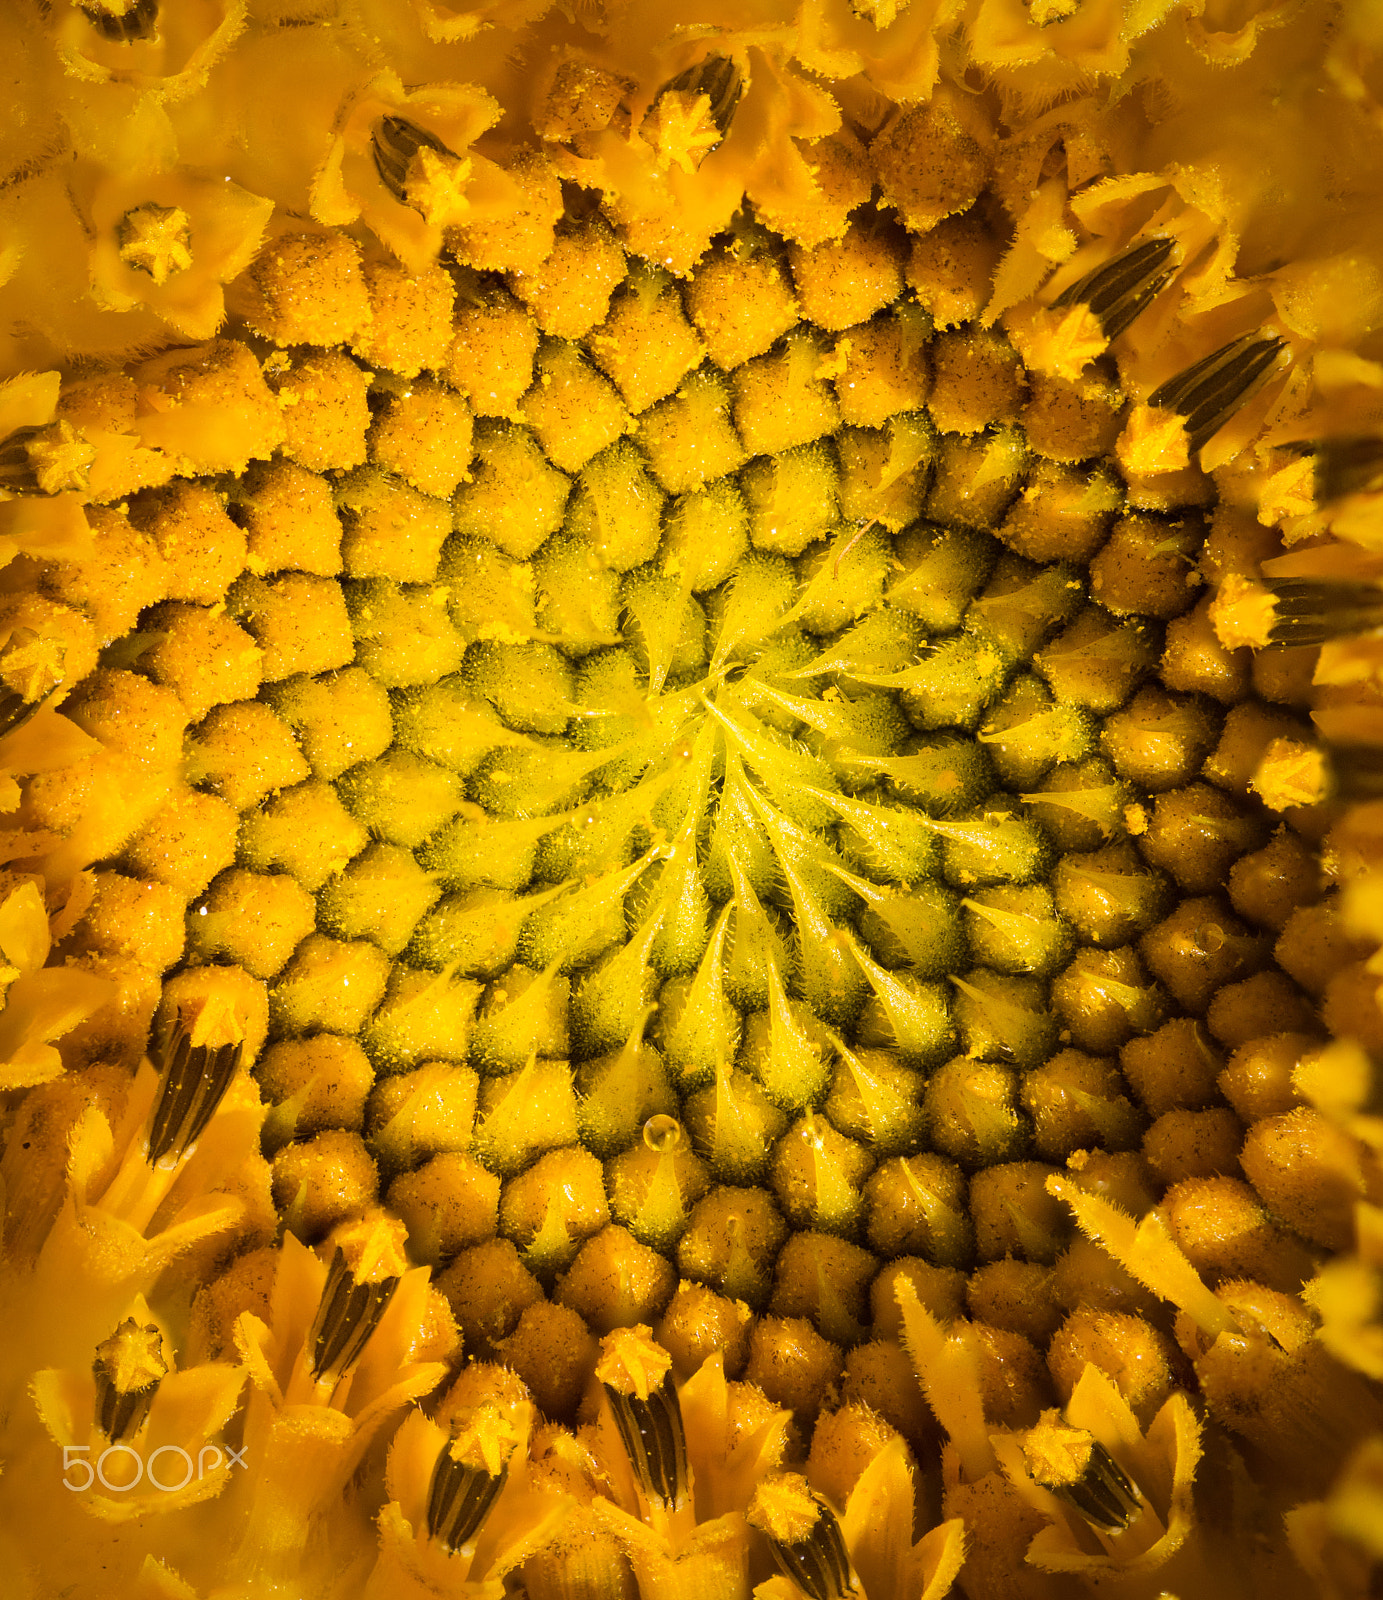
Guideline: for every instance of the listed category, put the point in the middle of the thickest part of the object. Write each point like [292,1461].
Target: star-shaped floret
[681,129]
[31,664]
[436,187]
[60,457]
[157,240]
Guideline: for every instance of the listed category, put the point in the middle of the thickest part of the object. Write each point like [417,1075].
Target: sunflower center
[755,708]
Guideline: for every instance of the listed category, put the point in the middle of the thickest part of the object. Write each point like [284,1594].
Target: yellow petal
[948,1370]
[1148,1252]
[28,401]
[51,527]
[39,1007]
[24,928]
[877,1523]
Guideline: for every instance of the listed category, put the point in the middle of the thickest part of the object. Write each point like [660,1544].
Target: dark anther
[15,711]
[459,1499]
[1104,1495]
[1371,1102]
[1357,770]
[395,142]
[127,1369]
[1209,393]
[1121,289]
[718,78]
[654,1441]
[1311,612]
[1075,1466]
[347,1314]
[1348,466]
[138,21]
[814,1560]
[195,1077]
[16,468]
[45,460]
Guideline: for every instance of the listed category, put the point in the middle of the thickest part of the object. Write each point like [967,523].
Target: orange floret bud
[699,1324]
[846,281]
[381,896]
[615,1282]
[781,400]
[731,1243]
[569,294]
[488,1289]
[977,381]
[1147,568]
[1195,661]
[1310,1172]
[526,1114]
[254,919]
[324,409]
[414,1115]
[121,575]
[553,1351]
[793,1365]
[1197,834]
[1267,1002]
[290,520]
[243,752]
[1105,996]
[451,1202]
[389,529]
[329,984]
[1075,1102]
[1159,741]
[1014,1215]
[931,161]
[646,345]
[203,548]
[1176,1066]
[550,1210]
[314,1084]
[185,843]
[520,236]
[740,299]
[491,361]
[307,288]
[689,438]
[844,1442]
[1224,1232]
[1097,662]
[1062,513]
[1260,1078]
[950,267]
[1016,1295]
[919,1205]
[1141,1360]
[971,1107]
[339,721]
[574,411]
[1194,1144]
[323,1181]
[409,326]
[1072,419]
[1198,949]
[423,434]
